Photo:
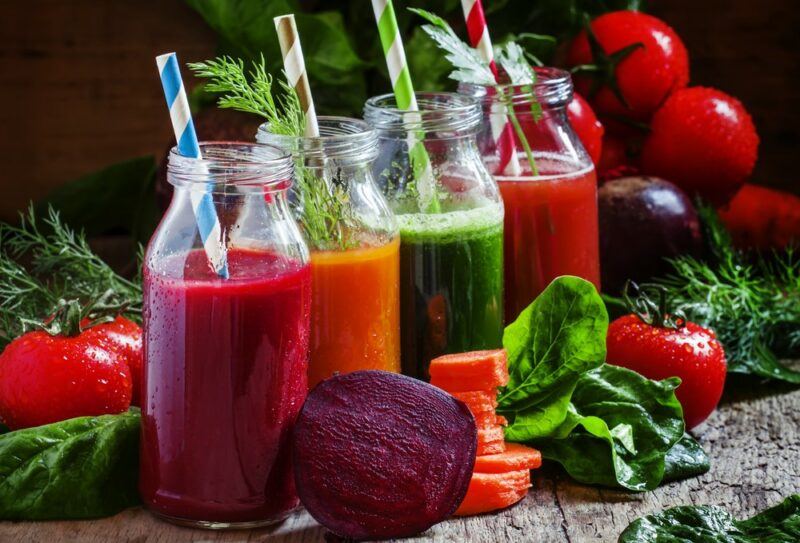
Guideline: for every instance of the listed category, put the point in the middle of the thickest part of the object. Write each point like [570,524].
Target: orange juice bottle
[355,248]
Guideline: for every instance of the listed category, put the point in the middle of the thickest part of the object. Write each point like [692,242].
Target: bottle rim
[341,139]
[232,163]
[552,87]
[440,114]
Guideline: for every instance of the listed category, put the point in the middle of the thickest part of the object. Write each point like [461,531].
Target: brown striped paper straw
[295,68]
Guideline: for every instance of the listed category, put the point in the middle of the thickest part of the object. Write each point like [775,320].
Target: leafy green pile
[605,424]
[58,266]
[752,305]
[709,524]
[79,468]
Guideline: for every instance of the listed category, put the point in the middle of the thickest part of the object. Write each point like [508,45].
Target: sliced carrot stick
[501,420]
[478,401]
[491,440]
[516,457]
[476,370]
[492,491]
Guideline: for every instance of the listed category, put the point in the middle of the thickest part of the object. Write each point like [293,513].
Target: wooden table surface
[753,440]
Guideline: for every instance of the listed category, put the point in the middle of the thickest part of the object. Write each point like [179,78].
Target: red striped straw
[502,132]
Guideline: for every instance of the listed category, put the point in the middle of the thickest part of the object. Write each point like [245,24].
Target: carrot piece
[501,420]
[476,370]
[491,440]
[478,401]
[492,491]
[516,457]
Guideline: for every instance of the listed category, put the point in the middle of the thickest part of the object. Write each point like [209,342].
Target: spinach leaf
[618,430]
[709,524]
[79,468]
[605,424]
[561,335]
[685,459]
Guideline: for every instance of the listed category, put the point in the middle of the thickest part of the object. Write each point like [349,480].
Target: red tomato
[690,352]
[704,141]
[123,337]
[585,123]
[762,218]
[45,378]
[656,63]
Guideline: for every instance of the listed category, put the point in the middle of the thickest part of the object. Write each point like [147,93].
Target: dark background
[79,88]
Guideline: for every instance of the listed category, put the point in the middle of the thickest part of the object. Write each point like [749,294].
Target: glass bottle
[551,224]
[451,226]
[225,358]
[355,248]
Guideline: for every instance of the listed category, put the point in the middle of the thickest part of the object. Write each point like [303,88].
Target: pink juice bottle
[225,358]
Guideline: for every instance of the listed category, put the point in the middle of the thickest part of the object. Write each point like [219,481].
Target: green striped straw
[406,101]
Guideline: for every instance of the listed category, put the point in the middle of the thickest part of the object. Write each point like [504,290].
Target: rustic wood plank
[753,440]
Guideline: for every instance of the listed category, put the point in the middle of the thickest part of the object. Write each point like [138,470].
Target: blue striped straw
[188,145]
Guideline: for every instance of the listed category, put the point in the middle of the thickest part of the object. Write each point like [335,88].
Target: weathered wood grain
[753,440]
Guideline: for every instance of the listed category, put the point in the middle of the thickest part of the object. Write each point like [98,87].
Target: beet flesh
[643,222]
[380,455]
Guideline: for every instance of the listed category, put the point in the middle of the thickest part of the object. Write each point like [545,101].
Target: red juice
[550,230]
[225,377]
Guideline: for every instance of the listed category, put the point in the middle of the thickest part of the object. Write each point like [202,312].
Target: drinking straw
[295,67]
[406,100]
[502,133]
[188,145]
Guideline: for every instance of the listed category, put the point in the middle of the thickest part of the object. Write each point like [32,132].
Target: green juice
[451,284]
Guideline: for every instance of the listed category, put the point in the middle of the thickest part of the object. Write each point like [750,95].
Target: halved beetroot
[379,455]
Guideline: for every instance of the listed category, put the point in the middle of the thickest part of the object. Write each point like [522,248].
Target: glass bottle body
[225,359]
[451,224]
[551,220]
[355,248]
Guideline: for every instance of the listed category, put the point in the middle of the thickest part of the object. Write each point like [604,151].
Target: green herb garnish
[752,305]
[323,206]
[60,266]
[471,68]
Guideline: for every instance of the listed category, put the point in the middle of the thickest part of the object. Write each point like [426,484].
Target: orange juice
[355,310]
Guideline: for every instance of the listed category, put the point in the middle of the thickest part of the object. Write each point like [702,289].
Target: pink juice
[225,377]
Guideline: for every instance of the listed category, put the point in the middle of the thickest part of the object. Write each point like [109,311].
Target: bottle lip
[553,87]
[440,114]
[232,163]
[341,138]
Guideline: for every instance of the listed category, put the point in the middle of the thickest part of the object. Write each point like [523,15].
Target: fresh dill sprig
[323,209]
[471,68]
[752,305]
[58,265]
[252,93]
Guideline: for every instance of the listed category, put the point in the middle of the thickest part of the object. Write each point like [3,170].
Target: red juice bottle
[225,358]
[551,224]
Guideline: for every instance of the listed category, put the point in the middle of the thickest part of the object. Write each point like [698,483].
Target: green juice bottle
[451,227]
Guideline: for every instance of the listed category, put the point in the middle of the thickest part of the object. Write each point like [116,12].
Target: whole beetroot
[379,455]
[643,222]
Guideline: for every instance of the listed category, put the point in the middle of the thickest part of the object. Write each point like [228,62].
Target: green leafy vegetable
[606,425]
[754,307]
[618,430]
[118,198]
[60,265]
[78,468]
[685,459]
[560,336]
[709,523]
